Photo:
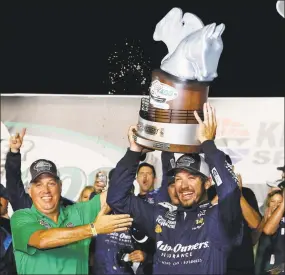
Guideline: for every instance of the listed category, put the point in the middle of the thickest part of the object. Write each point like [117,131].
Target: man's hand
[105,224]
[137,256]
[16,141]
[207,128]
[133,145]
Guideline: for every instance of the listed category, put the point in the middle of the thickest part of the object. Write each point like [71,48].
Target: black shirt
[278,243]
[7,260]
[6,224]
[268,246]
[241,258]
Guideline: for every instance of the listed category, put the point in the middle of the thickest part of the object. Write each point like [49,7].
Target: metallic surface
[194,50]
[182,134]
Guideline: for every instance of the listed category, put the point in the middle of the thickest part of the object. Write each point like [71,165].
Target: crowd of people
[201,220]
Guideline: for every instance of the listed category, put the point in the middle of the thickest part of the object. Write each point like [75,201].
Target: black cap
[282,168]
[3,192]
[43,166]
[193,163]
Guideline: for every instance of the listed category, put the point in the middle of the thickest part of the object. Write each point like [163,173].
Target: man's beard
[187,203]
[190,203]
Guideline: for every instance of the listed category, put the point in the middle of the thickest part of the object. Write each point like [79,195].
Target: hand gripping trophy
[181,85]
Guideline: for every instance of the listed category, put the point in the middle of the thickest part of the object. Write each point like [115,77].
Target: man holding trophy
[194,237]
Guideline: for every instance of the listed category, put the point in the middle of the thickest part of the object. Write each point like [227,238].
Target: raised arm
[19,199]
[119,196]
[226,181]
[249,205]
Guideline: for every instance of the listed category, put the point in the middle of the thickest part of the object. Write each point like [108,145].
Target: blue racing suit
[108,249]
[194,240]
[143,242]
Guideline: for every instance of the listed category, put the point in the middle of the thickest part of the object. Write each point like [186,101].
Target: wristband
[93,229]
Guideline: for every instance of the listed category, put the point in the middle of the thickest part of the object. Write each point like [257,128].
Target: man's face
[145,179]
[3,206]
[283,175]
[172,194]
[189,188]
[45,193]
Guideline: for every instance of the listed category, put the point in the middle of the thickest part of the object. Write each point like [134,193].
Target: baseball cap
[282,168]
[43,166]
[193,163]
[3,192]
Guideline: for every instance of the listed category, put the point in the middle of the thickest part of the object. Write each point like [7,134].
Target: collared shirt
[68,259]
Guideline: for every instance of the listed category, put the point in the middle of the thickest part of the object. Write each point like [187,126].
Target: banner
[85,134]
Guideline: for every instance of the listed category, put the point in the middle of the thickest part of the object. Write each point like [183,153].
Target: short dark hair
[170,180]
[145,164]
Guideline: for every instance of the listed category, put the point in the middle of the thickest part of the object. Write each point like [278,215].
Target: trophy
[181,85]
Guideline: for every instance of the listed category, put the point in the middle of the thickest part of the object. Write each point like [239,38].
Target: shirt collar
[61,218]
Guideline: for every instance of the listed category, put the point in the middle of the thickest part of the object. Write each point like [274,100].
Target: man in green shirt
[50,239]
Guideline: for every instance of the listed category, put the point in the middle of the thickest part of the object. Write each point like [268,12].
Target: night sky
[83,47]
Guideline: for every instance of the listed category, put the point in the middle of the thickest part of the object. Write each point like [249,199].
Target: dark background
[72,47]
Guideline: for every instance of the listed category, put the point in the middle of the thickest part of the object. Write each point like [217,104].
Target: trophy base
[162,146]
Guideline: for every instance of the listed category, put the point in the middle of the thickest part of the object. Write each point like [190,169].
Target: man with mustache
[195,237]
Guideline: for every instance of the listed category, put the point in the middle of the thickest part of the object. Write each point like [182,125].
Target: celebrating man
[19,199]
[51,239]
[195,237]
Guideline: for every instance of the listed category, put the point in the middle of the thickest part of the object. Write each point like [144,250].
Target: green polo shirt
[69,259]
